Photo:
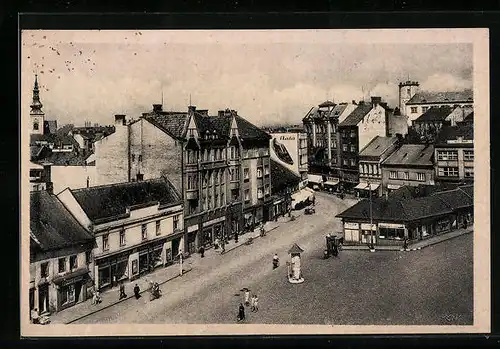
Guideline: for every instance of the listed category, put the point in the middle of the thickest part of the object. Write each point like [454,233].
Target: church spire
[36,106]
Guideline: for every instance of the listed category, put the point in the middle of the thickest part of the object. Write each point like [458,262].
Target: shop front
[351,233]
[112,270]
[71,288]
[392,233]
[363,189]
[192,234]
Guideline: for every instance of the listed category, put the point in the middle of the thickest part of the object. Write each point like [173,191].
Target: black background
[225,15]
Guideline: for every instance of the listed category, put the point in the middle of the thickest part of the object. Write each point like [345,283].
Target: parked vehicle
[310,210]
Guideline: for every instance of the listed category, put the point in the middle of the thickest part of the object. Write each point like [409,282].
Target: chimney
[120,119]
[234,112]
[191,109]
[157,108]
[353,102]
[220,113]
[376,100]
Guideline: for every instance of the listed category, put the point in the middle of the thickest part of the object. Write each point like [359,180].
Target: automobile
[310,210]
[316,187]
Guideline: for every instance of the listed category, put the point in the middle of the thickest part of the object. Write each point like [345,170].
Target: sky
[269,77]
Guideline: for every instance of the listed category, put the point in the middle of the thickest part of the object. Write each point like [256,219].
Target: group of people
[253,302]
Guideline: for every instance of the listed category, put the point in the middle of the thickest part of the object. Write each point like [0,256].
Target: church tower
[406,91]
[37,116]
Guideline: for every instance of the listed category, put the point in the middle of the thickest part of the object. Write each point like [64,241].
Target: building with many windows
[60,255]
[454,154]
[428,125]
[137,226]
[411,164]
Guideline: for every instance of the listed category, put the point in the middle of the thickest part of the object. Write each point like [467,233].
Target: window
[133,157]
[260,193]
[259,172]
[158,227]
[391,233]
[235,194]
[413,110]
[88,257]
[408,91]
[62,265]
[405,175]
[210,178]
[35,126]
[176,222]
[267,190]
[247,194]
[222,202]
[192,156]
[393,175]
[140,176]
[469,172]
[424,109]
[246,174]
[353,148]
[204,203]
[448,171]
[469,155]
[446,155]
[73,262]
[105,242]
[266,170]
[216,176]
[209,201]
[233,152]
[144,231]
[192,181]
[344,147]
[353,134]
[205,179]
[68,294]
[421,176]
[216,197]
[345,162]
[140,158]
[353,162]
[44,270]
[334,144]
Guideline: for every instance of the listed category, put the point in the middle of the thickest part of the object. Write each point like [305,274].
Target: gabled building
[219,164]
[86,136]
[137,227]
[370,160]
[284,184]
[460,115]
[60,255]
[454,154]
[411,164]
[428,125]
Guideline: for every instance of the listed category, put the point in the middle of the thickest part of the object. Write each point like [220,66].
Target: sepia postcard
[210,182]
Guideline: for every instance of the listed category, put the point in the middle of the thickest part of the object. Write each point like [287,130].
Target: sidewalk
[110,296]
[416,245]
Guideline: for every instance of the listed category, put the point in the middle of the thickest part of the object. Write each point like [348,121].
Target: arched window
[35,126]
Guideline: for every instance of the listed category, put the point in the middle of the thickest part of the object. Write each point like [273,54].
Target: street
[432,286]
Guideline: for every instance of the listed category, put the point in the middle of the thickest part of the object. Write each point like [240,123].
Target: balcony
[192,194]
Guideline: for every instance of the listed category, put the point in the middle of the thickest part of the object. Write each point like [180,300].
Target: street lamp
[372,246]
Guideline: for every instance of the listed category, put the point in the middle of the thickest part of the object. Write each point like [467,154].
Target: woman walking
[241,312]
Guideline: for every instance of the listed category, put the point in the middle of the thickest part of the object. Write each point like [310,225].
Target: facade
[412,218]
[428,125]
[37,116]
[40,176]
[460,115]
[86,136]
[284,184]
[220,165]
[454,154]
[137,227]
[290,150]
[421,101]
[411,164]
[370,160]
[60,255]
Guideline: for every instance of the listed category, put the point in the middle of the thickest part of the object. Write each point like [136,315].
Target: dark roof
[64,130]
[401,209]
[282,177]
[249,131]
[50,126]
[435,114]
[54,138]
[337,110]
[113,200]
[448,133]
[357,115]
[469,117]
[422,190]
[468,189]
[63,158]
[173,123]
[327,103]
[424,97]
[412,154]
[377,146]
[220,124]
[52,226]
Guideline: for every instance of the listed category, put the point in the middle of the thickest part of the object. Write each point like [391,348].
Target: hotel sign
[391,225]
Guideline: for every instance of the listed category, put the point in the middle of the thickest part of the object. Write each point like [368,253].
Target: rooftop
[453,133]
[282,177]
[52,226]
[172,123]
[412,154]
[435,114]
[107,201]
[357,115]
[377,146]
[423,97]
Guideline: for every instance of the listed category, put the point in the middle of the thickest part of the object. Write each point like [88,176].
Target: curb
[437,242]
[243,244]
[124,299]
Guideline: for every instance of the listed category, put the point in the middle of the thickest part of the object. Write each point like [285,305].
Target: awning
[393,186]
[363,185]
[332,182]
[70,278]
[300,196]
[315,178]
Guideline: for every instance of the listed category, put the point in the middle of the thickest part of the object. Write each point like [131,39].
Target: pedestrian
[241,312]
[256,303]
[247,297]
[216,243]
[202,251]
[97,298]
[137,291]
[35,318]
[122,291]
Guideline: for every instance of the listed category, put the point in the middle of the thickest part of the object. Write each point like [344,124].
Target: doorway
[43,298]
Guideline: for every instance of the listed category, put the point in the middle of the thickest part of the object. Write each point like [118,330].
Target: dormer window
[35,126]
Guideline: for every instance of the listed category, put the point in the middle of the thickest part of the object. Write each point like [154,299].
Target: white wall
[69,201]
[73,177]
[373,125]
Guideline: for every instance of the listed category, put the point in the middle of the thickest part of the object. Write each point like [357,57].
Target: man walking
[137,291]
[122,291]
[241,312]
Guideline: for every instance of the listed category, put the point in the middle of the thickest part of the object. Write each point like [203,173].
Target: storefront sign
[367,227]
[391,225]
[193,228]
[213,221]
[283,149]
[351,225]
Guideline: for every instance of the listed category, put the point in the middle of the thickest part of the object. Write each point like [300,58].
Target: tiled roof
[412,154]
[337,110]
[173,123]
[377,146]
[404,208]
[50,126]
[281,177]
[249,131]
[64,158]
[411,192]
[468,189]
[327,103]
[435,114]
[441,97]
[469,117]
[51,225]
[112,200]
[65,129]
[466,131]
[53,138]
[220,124]
[357,115]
